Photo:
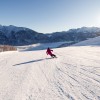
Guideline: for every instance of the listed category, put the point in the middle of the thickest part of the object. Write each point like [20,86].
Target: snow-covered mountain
[13,35]
[33,75]
[10,28]
[86,30]
[76,35]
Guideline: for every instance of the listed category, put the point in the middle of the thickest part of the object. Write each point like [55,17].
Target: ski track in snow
[32,75]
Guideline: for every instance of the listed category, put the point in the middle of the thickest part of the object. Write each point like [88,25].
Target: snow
[40,46]
[91,42]
[32,75]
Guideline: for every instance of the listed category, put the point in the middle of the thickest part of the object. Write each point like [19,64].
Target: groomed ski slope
[32,75]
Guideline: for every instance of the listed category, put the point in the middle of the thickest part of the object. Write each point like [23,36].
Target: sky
[47,16]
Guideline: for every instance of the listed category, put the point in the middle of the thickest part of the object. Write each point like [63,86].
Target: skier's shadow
[28,62]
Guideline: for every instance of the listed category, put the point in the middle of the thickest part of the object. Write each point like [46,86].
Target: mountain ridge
[17,36]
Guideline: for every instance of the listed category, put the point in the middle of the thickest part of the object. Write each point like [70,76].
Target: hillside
[90,42]
[19,36]
[32,75]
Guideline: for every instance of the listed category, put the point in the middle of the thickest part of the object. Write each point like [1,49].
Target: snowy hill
[32,75]
[90,42]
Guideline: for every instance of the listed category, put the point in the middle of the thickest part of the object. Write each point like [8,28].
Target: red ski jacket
[49,51]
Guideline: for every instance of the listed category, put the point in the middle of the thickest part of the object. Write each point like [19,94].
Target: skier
[49,52]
